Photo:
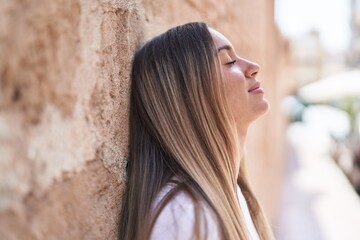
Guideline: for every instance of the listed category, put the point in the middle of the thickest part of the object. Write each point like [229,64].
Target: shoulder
[178,217]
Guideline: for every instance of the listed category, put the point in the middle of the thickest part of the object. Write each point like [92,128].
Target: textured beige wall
[63,105]
[63,115]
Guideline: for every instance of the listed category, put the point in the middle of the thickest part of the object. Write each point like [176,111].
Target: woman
[192,101]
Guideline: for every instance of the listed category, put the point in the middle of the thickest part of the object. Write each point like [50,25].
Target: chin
[262,109]
[266,106]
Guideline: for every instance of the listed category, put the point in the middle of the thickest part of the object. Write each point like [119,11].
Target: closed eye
[231,63]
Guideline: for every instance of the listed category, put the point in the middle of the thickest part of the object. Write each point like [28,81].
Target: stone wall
[64,74]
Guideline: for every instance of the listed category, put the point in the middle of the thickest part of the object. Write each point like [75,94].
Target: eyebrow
[226,47]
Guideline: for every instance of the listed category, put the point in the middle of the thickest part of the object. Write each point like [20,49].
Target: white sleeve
[177,219]
[248,219]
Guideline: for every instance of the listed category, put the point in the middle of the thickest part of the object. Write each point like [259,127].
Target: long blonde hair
[180,126]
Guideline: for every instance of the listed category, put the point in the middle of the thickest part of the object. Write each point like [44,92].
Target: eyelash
[231,63]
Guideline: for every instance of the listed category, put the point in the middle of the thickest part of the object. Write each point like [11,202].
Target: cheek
[235,84]
[236,94]
[234,75]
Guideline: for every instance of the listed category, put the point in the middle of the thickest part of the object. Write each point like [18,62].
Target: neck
[241,134]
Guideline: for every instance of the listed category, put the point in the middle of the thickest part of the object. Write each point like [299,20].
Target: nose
[252,69]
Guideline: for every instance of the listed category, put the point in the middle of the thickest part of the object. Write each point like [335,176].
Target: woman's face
[243,91]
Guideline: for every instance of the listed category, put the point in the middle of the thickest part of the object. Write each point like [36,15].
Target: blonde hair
[180,126]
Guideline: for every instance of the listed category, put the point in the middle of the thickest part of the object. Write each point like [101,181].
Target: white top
[176,220]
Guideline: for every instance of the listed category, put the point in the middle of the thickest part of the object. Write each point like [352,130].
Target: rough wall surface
[64,70]
[63,115]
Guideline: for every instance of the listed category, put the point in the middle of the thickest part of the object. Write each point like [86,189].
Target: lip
[256,88]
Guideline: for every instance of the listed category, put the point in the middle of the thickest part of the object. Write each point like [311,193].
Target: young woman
[192,101]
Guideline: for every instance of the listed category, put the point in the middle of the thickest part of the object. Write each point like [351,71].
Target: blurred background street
[321,184]
[318,200]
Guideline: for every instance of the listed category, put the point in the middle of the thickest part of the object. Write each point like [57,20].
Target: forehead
[219,39]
